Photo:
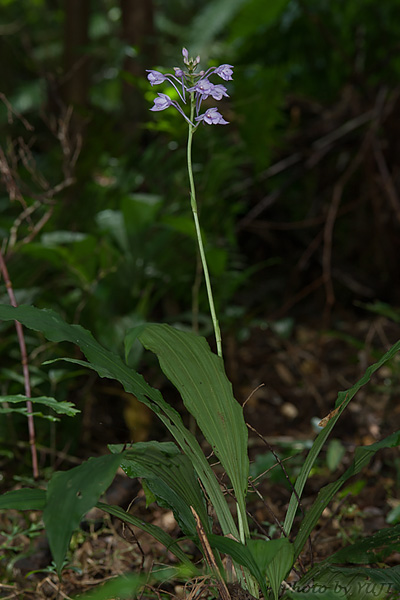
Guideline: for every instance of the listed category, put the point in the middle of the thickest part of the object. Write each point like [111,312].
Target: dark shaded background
[299,194]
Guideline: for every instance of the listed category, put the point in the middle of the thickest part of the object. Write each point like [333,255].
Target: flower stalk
[193,203]
[195,87]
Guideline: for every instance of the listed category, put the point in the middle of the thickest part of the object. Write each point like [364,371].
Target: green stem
[193,203]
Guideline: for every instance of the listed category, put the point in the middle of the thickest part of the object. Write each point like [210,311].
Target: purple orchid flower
[205,88]
[212,117]
[218,91]
[162,102]
[155,77]
[225,72]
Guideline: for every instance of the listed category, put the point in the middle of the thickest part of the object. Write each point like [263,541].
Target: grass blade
[342,401]
[363,455]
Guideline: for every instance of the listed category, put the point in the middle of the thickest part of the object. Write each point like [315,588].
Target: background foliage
[299,195]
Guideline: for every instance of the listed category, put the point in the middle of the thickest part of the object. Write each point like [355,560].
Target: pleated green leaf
[170,477]
[263,558]
[199,376]
[358,583]
[24,499]
[242,555]
[70,495]
[123,587]
[156,532]
[372,549]
[274,558]
[108,364]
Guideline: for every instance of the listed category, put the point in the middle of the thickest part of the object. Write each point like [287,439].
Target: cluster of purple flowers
[189,82]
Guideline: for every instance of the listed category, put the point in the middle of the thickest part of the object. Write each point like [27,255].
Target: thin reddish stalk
[25,368]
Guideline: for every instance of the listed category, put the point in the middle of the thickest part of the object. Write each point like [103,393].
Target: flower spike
[197,85]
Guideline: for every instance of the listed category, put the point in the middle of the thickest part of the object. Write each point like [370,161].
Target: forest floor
[300,373]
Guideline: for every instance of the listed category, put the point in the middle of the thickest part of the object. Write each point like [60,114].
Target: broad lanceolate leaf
[342,401]
[123,587]
[127,586]
[71,494]
[170,476]
[263,558]
[108,364]
[363,455]
[372,549]
[242,555]
[199,375]
[274,558]
[360,583]
[24,499]
[156,532]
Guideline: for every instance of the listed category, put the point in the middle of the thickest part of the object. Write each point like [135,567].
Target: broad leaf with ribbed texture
[108,364]
[372,549]
[70,495]
[156,532]
[23,499]
[199,375]
[170,477]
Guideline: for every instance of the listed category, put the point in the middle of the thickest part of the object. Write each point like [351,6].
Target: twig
[252,394]
[335,512]
[280,462]
[11,111]
[209,556]
[269,509]
[320,148]
[330,223]
[337,196]
[25,367]
[314,285]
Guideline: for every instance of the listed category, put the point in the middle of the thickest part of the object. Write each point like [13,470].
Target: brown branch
[25,367]
[12,112]
[314,285]
[292,487]
[209,556]
[338,190]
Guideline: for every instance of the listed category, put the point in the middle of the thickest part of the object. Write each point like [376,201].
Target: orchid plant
[178,475]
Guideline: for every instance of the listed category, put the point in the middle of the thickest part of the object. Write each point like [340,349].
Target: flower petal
[212,117]
[225,72]
[155,77]
[162,102]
